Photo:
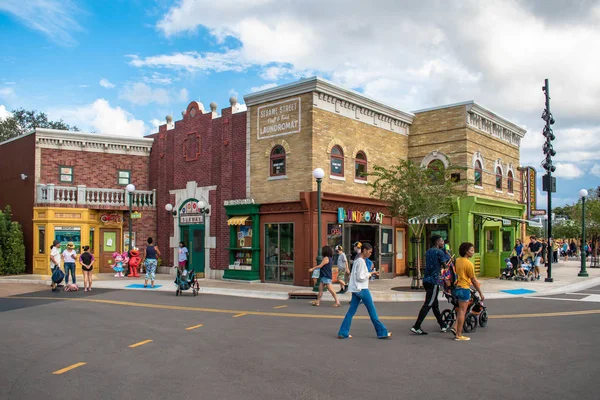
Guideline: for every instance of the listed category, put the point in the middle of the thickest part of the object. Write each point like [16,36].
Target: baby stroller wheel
[177,292]
[470,323]
[448,317]
[483,318]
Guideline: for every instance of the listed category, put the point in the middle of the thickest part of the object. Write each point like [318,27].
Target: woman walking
[151,261]
[87,265]
[465,271]
[359,286]
[325,275]
[69,256]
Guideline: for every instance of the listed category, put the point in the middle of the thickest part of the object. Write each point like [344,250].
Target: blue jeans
[365,296]
[69,267]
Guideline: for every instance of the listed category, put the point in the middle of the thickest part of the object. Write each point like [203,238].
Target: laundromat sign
[359,216]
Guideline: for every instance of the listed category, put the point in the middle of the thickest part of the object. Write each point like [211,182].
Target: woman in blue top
[325,275]
[151,261]
[518,250]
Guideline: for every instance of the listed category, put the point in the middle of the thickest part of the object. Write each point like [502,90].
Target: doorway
[400,251]
[491,257]
[110,242]
[386,253]
[193,237]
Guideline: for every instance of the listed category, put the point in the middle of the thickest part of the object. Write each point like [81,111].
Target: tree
[24,121]
[14,253]
[412,191]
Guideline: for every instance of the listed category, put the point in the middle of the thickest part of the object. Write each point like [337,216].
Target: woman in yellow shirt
[465,271]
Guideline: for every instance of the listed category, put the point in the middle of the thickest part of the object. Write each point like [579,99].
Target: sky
[120,66]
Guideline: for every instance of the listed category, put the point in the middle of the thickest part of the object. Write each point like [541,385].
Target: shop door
[193,237]
[386,252]
[109,243]
[347,242]
[491,256]
[400,251]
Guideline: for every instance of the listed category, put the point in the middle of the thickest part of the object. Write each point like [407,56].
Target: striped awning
[430,220]
[238,220]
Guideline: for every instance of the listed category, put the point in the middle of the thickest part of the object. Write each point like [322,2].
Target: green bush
[12,246]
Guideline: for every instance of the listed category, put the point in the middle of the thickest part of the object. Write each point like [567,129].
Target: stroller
[510,271]
[57,277]
[476,312]
[186,280]
[527,273]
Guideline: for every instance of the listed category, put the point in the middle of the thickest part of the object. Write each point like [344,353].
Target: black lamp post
[318,173]
[583,272]
[130,189]
[548,182]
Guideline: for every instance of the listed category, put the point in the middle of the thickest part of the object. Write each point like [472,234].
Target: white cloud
[594,171]
[183,95]
[262,87]
[100,117]
[105,83]
[193,61]
[159,79]
[568,171]
[7,92]
[142,94]
[54,18]
[155,123]
[4,113]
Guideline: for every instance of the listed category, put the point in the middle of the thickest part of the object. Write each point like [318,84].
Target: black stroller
[186,280]
[476,312]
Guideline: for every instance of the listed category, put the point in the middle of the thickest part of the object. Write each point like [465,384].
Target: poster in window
[66,234]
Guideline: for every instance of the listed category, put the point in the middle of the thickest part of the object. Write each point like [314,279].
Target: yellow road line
[280,307]
[143,342]
[70,367]
[239,313]
[193,327]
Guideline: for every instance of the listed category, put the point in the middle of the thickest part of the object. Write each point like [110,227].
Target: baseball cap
[339,248]
[357,244]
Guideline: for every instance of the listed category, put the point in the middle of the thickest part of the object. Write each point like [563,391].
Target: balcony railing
[83,196]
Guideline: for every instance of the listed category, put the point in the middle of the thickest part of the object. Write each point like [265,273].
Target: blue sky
[121,66]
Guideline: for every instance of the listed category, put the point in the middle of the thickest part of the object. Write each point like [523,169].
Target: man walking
[435,257]
[536,248]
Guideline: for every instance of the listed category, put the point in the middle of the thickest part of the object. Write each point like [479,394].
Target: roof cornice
[495,118]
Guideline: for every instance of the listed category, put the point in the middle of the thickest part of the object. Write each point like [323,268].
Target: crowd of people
[67,259]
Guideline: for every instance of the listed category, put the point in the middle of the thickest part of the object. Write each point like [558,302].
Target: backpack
[57,275]
[450,277]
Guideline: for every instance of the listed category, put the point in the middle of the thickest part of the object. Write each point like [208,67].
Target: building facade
[70,186]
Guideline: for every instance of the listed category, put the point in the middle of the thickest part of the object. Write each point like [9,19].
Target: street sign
[538,212]
[506,222]
[136,215]
[535,224]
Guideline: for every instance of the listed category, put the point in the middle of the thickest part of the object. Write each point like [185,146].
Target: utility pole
[548,182]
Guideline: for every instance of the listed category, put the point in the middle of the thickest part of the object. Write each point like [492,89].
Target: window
[278,161]
[498,178]
[337,161]
[92,239]
[41,239]
[124,177]
[506,241]
[490,241]
[510,182]
[360,166]
[65,174]
[476,236]
[279,253]
[436,171]
[478,174]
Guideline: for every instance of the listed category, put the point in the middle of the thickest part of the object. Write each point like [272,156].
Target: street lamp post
[318,173]
[130,189]
[583,194]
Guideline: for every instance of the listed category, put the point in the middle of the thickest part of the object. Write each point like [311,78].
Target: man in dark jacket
[435,257]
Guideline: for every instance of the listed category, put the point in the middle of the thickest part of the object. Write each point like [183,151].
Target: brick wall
[97,170]
[18,157]
[210,151]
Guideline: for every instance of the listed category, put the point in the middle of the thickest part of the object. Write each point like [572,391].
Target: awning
[238,220]
[431,220]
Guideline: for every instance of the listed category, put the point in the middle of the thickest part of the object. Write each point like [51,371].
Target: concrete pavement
[383,290]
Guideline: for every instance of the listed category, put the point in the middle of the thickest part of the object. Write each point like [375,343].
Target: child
[183,255]
[325,275]
[342,263]
[316,271]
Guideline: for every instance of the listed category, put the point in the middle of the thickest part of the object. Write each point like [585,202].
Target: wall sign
[359,216]
[277,119]
[190,213]
[114,218]
[238,202]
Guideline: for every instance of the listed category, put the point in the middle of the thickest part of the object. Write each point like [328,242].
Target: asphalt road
[217,347]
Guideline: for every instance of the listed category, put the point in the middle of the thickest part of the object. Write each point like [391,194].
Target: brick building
[70,186]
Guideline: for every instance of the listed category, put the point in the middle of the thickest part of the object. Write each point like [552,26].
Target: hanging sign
[136,215]
[190,213]
[359,216]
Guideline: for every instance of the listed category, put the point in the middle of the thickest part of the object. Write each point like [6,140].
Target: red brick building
[70,186]
[200,159]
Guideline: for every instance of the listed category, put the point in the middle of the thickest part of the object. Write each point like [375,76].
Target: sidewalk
[383,290]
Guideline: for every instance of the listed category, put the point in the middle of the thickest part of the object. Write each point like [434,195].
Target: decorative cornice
[343,98]
[484,120]
[90,142]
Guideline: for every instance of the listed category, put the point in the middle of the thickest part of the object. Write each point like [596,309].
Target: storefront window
[279,252]
[334,235]
[490,240]
[506,241]
[66,234]
[337,161]
[92,239]
[42,239]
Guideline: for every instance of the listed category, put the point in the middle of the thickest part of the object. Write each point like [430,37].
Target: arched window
[278,161]
[498,178]
[360,166]
[478,174]
[337,161]
[437,170]
[510,182]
